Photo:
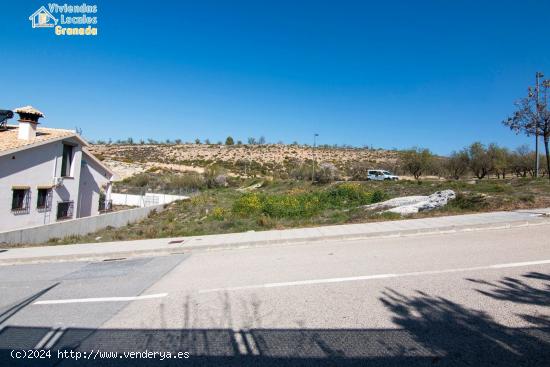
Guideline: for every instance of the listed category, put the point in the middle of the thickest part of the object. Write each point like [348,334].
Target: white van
[381,175]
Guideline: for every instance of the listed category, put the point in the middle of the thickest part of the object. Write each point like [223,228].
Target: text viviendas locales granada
[75,20]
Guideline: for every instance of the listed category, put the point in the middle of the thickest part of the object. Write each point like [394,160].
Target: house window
[67,160]
[65,210]
[20,200]
[43,201]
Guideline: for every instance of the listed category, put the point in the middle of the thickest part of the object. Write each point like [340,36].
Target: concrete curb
[164,251]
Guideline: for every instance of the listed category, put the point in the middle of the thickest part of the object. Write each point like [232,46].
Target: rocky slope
[265,158]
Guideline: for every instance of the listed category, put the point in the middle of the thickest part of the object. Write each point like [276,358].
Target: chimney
[28,120]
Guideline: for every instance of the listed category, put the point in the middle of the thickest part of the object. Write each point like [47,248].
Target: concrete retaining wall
[80,226]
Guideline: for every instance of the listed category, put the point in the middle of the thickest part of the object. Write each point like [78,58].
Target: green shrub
[326,172]
[139,180]
[468,202]
[347,195]
[496,188]
[527,198]
[378,196]
[304,204]
[162,181]
[219,213]
[300,172]
[265,221]
[291,206]
[214,177]
[248,204]
[359,171]
[185,181]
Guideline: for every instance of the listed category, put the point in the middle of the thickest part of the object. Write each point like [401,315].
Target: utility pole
[546,85]
[538,75]
[313,154]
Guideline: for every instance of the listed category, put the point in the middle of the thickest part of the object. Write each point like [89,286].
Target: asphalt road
[479,298]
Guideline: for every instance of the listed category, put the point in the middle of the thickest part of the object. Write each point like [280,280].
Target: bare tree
[521,159]
[532,116]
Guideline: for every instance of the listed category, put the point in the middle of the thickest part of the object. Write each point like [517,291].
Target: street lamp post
[313,154]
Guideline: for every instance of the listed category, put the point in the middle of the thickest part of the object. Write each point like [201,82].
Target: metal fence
[142,190]
[149,199]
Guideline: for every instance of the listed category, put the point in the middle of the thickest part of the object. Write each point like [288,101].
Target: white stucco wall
[93,178]
[37,167]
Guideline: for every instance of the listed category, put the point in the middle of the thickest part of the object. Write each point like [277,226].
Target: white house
[47,175]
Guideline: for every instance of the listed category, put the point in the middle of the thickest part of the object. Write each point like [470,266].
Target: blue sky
[437,74]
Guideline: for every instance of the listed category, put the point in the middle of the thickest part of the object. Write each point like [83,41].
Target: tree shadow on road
[431,331]
[461,336]
[12,309]
[519,290]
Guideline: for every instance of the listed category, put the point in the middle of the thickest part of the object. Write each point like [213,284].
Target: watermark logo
[67,20]
[42,18]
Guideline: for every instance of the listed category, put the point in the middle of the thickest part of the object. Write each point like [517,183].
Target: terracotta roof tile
[9,140]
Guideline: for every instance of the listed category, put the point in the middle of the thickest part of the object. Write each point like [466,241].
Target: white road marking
[515,265]
[237,336]
[46,338]
[51,337]
[376,276]
[245,342]
[251,343]
[102,299]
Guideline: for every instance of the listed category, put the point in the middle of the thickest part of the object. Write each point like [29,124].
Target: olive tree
[500,159]
[480,161]
[457,164]
[417,161]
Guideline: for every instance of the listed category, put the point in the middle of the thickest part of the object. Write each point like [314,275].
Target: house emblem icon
[42,18]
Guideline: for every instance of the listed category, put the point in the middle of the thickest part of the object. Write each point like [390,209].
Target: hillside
[237,159]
